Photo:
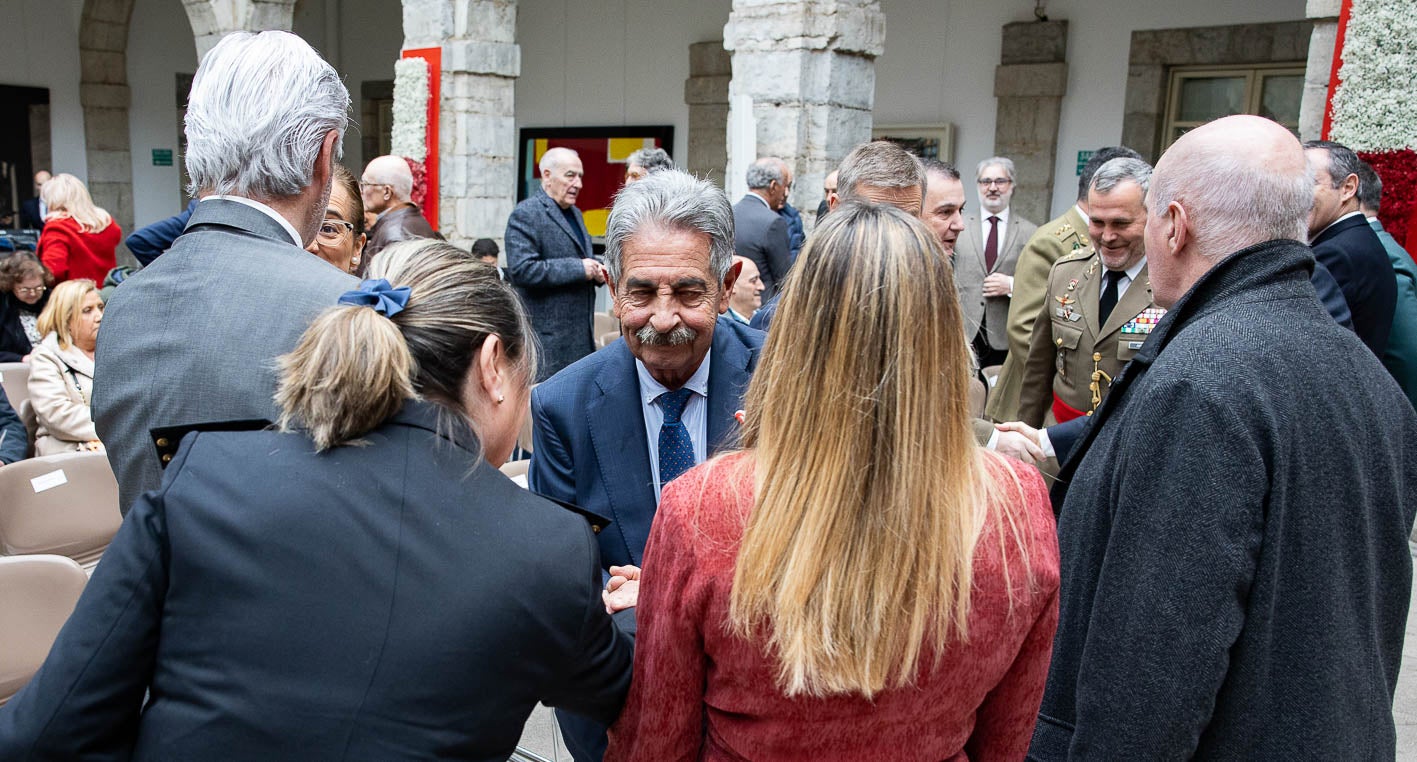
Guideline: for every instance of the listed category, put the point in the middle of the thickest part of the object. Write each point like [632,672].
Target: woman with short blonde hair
[80,239]
[862,581]
[61,369]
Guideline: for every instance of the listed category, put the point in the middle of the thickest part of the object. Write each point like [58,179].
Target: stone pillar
[477,136]
[706,94]
[104,97]
[808,69]
[1324,15]
[1030,83]
[213,19]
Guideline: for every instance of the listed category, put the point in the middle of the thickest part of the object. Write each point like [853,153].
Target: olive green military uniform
[1063,236]
[1070,355]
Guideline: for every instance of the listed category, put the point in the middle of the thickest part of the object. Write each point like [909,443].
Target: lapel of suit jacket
[1136,299]
[553,210]
[616,423]
[728,380]
[1011,243]
[1090,293]
[974,244]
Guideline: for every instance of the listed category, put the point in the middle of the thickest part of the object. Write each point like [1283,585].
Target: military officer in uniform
[1098,308]
[1065,236]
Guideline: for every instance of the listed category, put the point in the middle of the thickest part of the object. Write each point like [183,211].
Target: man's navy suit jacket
[1354,255]
[589,445]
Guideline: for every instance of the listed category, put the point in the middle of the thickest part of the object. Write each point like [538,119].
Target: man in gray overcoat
[1234,518]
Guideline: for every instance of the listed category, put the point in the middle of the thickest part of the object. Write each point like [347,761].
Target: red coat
[71,253]
[701,693]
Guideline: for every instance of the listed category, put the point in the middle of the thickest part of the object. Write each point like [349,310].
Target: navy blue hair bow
[380,295]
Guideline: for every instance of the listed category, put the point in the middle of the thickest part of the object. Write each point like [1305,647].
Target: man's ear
[325,161]
[729,278]
[1349,188]
[832,200]
[1179,233]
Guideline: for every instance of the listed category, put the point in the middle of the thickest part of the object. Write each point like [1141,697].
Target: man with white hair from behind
[190,339]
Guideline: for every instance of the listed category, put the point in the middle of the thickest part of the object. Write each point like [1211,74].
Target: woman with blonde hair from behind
[61,369]
[861,582]
[80,240]
[359,582]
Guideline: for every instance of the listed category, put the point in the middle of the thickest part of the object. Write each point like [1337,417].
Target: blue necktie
[676,449]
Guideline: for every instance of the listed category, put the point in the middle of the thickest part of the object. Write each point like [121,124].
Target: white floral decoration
[410,131]
[1374,105]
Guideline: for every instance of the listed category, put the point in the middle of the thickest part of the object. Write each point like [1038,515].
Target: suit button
[167,458]
[595,529]
[1060,342]
[162,442]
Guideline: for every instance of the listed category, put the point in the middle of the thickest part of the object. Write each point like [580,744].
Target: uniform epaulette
[597,522]
[167,438]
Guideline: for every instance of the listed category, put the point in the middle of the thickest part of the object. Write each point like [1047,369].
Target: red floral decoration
[420,181]
[1398,170]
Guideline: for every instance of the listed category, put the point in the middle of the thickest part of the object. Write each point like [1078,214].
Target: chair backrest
[37,595]
[31,422]
[15,378]
[606,339]
[606,323]
[515,468]
[977,394]
[62,504]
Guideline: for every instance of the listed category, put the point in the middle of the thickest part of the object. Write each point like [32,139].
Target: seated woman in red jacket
[861,582]
[79,240]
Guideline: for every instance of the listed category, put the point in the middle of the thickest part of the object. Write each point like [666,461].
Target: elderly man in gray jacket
[1234,519]
[192,338]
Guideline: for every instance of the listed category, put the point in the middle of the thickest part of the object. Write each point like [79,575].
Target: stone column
[1030,83]
[1324,15]
[477,136]
[706,94]
[105,97]
[807,67]
[213,19]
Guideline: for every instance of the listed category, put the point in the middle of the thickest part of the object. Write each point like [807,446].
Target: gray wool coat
[1233,531]
[544,256]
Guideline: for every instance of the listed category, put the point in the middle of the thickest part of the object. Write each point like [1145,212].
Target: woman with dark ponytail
[359,582]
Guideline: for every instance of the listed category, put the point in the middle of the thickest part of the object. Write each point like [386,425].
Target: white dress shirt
[984,215]
[266,210]
[1125,280]
[694,417]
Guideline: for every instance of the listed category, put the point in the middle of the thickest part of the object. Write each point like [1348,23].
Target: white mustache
[682,334]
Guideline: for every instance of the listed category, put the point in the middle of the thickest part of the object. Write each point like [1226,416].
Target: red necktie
[991,247]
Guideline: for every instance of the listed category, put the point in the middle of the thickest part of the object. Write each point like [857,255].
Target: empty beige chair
[606,323]
[978,392]
[606,339]
[15,377]
[63,504]
[515,468]
[37,595]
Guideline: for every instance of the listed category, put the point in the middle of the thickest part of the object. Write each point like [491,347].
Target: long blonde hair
[66,196]
[871,491]
[65,302]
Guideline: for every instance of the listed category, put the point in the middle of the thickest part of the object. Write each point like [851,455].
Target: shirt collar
[760,198]
[266,210]
[1086,219]
[1335,222]
[1135,270]
[650,389]
[1003,215]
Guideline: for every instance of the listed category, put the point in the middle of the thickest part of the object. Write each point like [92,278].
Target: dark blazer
[14,342]
[796,235]
[148,243]
[1234,527]
[16,437]
[29,215]
[760,234]
[191,337]
[544,256]
[402,224]
[589,445]
[762,319]
[402,600]
[1352,253]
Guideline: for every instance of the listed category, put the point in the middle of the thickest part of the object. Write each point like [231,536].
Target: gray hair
[1342,162]
[764,172]
[1118,171]
[1370,187]
[1003,161]
[259,110]
[1233,202]
[652,159]
[554,157]
[392,171]
[673,200]
[880,164]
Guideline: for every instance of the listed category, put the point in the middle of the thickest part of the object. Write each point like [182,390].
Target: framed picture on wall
[928,141]
[603,151]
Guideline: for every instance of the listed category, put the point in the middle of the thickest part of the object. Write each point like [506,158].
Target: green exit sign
[1083,156]
[162,157]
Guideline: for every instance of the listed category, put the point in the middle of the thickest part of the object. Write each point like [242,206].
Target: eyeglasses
[333,231]
[32,290]
[1002,182]
[365,186]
